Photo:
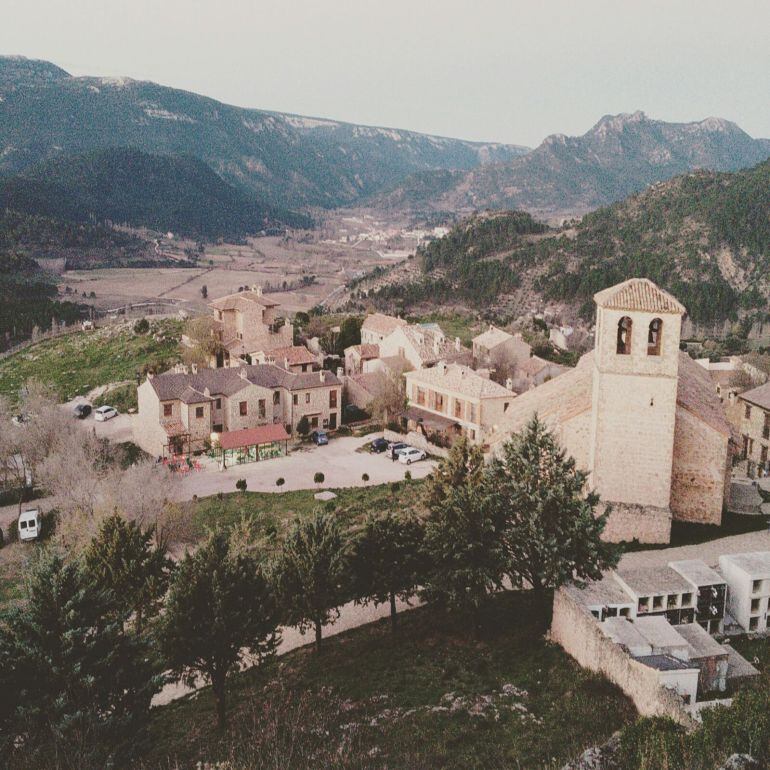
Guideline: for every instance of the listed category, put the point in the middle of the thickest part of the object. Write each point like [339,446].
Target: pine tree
[464,548]
[220,607]
[312,573]
[387,561]
[123,559]
[463,466]
[551,533]
[82,685]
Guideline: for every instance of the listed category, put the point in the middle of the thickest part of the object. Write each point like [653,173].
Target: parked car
[105,413]
[29,525]
[395,447]
[319,437]
[411,455]
[81,411]
[379,445]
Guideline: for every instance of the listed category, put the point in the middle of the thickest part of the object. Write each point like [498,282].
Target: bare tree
[203,343]
[390,394]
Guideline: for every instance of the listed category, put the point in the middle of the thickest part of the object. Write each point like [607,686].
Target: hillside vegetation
[705,237]
[73,364]
[126,186]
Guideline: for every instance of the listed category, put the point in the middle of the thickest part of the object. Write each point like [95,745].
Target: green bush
[408,476]
[652,743]
[142,326]
[240,485]
[280,481]
[319,478]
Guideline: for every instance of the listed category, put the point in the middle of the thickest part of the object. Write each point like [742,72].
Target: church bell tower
[635,380]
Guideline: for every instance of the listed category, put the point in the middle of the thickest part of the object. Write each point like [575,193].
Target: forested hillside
[703,236]
[126,186]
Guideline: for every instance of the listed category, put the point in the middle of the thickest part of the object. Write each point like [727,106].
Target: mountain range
[569,176]
[289,160]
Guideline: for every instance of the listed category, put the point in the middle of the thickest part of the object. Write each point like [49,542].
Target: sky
[492,70]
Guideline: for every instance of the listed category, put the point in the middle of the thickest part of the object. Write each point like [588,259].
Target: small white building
[748,584]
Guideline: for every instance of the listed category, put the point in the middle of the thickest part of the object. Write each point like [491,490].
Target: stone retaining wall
[578,632]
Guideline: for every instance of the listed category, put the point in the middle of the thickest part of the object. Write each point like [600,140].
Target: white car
[411,455]
[105,413]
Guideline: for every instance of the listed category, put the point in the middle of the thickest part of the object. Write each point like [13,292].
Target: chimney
[194,368]
[442,367]
[491,327]
[509,384]
[340,372]
[207,392]
[458,346]
[242,373]
[322,375]
[257,290]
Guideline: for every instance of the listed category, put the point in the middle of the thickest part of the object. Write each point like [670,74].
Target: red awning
[264,434]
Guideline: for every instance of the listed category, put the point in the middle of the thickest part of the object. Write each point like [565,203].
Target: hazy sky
[505,70]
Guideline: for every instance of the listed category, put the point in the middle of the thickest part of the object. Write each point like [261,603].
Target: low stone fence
[578,632]
[417,440]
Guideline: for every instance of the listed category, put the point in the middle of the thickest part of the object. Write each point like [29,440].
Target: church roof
[570,394]
[638,294]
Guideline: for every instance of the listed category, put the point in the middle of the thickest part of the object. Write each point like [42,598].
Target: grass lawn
[273,513]
[76,363]
[433,697]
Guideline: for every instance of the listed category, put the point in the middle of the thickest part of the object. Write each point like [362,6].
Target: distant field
[76,363]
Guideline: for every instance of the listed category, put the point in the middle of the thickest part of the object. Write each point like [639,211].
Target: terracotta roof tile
[638,294]
[262,434]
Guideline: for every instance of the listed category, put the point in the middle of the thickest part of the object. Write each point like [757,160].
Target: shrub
[240,485]
[142,326]
[395,486]
[408,475]
[652,743]
[344,430]
[364,477]
[319,478]
[303,426]
[280,481]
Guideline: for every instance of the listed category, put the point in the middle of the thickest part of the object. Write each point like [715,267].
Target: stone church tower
[634,394]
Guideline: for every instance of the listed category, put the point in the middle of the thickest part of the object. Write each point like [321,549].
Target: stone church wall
[698,474]
[578,632]
[645,524]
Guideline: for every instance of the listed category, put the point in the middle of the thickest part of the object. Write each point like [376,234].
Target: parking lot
[340,461]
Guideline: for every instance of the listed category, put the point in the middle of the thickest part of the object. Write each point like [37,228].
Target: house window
[218,428]
[199,412]
[439,402]
[458,408]
[314,422]
[625,325]
[420,396]
[471,412]
[304,367]
[239,335]
[747,411]
[243,408]
[218,403]
[307,398]
[261,407]
[751,447]
[653,337]
[276,397]
[766,426]
[332,399]
[763,454]
[295,399]
[168,410]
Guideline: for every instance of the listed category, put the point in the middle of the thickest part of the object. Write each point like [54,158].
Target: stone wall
[578,632]
[698,473]
[637,522]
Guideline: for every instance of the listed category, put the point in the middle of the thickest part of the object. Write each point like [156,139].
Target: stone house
[754,415]
[452,400]
[423,346]
[495,347]
[356,357]
[294,358]
[638,415]
[180,410]
[377,326]
[247,323]
[534,371]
